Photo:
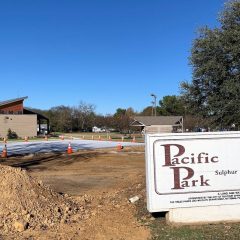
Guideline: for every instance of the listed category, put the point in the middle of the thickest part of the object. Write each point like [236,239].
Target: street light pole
[155,103]
[152,106]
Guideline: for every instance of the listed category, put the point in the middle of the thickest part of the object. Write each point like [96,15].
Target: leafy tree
[214,93]
[67,119]
[104,121]
[171,105]
[148,111]
[130,112]
[168,106]
[120,112]
[60,118]
[122,119]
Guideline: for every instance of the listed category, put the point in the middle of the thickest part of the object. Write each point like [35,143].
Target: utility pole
[155,103]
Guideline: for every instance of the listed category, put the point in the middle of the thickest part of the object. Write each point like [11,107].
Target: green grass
[162,231]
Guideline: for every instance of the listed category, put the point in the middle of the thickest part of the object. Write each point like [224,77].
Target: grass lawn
[162,231]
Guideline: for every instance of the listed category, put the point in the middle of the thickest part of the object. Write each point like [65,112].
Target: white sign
[192,169]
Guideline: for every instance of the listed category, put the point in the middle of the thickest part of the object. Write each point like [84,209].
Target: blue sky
[111,53]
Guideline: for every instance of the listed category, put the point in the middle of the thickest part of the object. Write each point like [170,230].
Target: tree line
[83,117]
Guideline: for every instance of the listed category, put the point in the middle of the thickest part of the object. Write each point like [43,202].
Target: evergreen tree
[171,105]
[214,92]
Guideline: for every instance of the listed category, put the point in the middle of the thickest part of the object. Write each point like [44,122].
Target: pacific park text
[173,162]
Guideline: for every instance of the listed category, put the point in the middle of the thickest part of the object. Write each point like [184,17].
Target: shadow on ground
[44,161]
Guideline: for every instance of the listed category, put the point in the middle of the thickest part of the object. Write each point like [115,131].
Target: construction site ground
[85,196]
[101,181]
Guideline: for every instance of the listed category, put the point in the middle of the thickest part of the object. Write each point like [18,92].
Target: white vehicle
[98,130]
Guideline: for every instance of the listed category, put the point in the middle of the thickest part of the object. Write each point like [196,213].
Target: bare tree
[83,115]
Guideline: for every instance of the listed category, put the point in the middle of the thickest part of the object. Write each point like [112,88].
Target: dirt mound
[27,204]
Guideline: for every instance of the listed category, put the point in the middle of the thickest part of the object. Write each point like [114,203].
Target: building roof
[34,111]
[12,100]
[158,120]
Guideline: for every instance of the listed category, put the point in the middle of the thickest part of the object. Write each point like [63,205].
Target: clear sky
[111,53]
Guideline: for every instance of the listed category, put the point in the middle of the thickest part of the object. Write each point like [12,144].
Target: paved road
[22,148]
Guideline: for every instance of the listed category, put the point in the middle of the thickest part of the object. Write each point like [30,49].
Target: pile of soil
[26,203]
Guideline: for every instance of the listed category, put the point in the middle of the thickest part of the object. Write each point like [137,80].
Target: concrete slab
[204,215]
[22,148]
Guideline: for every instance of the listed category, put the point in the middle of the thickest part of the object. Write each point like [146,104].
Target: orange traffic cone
[119,147]
[69,150]
[4,152]
[134,139]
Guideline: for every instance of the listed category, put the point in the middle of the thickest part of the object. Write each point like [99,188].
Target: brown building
[23,121]
[159,124]
[13,106]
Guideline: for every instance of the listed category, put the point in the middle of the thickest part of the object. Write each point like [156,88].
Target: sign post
[186,171]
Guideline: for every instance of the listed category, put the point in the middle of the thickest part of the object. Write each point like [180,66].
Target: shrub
[11,134]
